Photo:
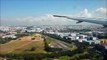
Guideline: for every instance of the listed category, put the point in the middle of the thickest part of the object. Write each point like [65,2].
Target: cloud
[47,19]
[85,13]
[101,10]
[97,13]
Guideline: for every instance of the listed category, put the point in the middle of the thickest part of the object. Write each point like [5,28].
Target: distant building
[39,30]
[4,29]
[32,30]
[90,42]
[9,36]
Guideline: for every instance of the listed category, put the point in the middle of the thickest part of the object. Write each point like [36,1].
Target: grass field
[26,45]
[23,46]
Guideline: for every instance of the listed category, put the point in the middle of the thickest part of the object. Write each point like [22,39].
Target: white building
[81,40]
[39,30]
[32,30]
[90,42]
[72,38]
[9,36]
[5,29]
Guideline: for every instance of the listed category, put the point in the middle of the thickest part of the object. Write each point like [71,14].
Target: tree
[47,48]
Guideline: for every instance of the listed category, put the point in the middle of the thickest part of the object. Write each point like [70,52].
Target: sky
[39,12]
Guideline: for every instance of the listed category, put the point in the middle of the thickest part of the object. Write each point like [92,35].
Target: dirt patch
[30,38]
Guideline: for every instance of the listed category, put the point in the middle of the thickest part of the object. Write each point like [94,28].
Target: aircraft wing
[91,20]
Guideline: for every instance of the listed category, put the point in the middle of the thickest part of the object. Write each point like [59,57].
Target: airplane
[91,20]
